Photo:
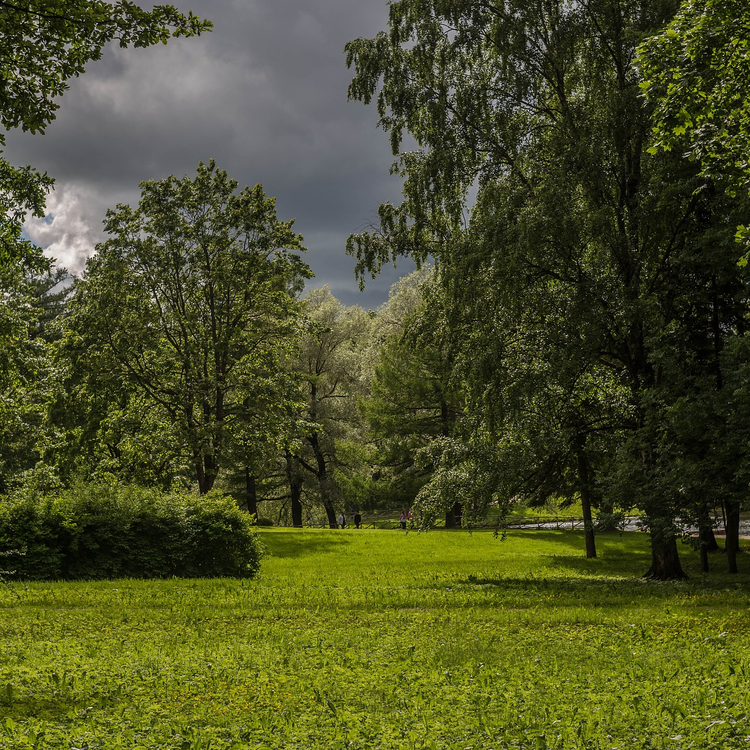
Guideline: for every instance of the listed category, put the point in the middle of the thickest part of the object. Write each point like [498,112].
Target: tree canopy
[190,305]
[583,252]
[696,74]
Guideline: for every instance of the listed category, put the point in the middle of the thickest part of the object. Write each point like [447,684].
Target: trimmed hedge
[100,531]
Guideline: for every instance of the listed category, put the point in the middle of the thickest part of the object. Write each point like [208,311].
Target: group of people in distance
[357,520]
[405,518]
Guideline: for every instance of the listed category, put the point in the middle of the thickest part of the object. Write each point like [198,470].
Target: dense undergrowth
[95,531]
[377,639]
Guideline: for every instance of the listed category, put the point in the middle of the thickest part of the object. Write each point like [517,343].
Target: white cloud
[71,229]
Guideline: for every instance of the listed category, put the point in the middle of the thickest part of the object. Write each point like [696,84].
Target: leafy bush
[112,531]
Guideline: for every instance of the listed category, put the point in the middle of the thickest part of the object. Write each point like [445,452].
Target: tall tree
[576,230]
[413,398]
[191,303]
[45,44]
[330,361]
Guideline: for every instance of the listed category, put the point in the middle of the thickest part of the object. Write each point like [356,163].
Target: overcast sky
[264,94]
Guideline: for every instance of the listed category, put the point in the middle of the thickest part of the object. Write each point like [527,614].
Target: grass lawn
[385,639]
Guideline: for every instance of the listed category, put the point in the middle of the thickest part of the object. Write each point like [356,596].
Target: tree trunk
[201,476]
[606,520]
[209,478]
[251,492]
[706,541]
[206,470]
[323,481]
[665,559]
[732,526]
[212,457]
[588,524]
[295,488]
[453,516]
[704,558]
[296,491]
[584,487]
[707,537]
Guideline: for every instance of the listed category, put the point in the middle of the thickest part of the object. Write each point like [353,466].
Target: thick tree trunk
[251,492]
[453,516]
[707,537]
[211,459]
[201,476]
[704,558]
[206,469]
[665,559]
[209,479]
[584,486]
[706,541]
[732,525]
[295,489]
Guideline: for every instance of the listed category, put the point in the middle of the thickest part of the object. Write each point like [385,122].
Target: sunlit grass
[376,639]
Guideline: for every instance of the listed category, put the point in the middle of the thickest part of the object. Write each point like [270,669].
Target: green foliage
[180,332]
[413,398]
[111,531]
[45,44]
[384,640]
[593,285]
[696,74]
[48,42]
[330,362]
[26,368]
[28,373]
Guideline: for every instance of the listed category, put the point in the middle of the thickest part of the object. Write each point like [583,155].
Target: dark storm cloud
[264,95]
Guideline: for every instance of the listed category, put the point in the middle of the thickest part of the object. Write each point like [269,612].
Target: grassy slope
[386,640]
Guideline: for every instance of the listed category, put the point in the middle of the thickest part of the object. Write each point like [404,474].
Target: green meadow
[385,639]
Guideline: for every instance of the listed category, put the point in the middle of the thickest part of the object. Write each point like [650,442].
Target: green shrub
[112,531]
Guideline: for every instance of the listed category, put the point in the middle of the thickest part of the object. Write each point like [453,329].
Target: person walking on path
[402,520]
[357,520]
[342,520]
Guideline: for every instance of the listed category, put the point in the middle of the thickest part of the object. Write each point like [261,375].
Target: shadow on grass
[574,540]
[609,544]
[296,543]
[623,559]
[577,592]
[617,583]
[47,709]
